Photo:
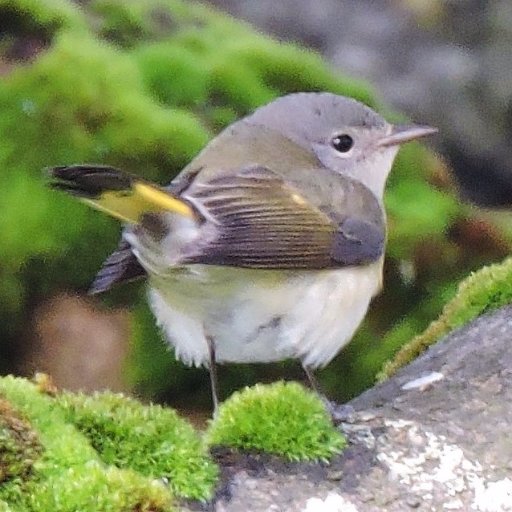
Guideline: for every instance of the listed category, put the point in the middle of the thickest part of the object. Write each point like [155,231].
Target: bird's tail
[121,195]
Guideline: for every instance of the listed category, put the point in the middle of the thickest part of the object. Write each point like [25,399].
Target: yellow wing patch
[161,199]
[129,205]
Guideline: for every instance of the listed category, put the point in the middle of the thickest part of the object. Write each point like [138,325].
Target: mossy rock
[105,452]
[64,452]
[143,86]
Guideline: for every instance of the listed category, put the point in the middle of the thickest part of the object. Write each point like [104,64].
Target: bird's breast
[262,315]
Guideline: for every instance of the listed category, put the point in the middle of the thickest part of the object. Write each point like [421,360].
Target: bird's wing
[251,218]
[255,218]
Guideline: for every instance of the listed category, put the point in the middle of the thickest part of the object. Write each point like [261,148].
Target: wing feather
[254,218]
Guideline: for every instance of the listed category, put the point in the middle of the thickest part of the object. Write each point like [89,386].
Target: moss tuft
[19,444]
[282,418]
[63,447]
[483,291]
[151,440]
[32,18]
[93,488]
[105,452]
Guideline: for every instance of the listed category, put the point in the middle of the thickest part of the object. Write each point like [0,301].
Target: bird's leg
[313,382]
[317,388]
[212,367]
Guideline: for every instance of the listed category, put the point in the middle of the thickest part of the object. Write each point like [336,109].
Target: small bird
[270,244]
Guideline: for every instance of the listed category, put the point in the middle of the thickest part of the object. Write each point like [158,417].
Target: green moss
[483,291]
[93,487]
[282,418]
[4,507]
[286,67]
[33,17]
[417,210]
[19,444]
[174,75]
[121,23]
[106,452]
[64,452]
[63,447]
[150,440]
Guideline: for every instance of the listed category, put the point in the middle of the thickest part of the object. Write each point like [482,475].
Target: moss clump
[33,18]
[106,452]
[483,291]
[19,444]
[94,487]
[282,418]
[150,440]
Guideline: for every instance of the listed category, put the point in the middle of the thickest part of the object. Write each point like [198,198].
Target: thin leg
[317,388]
[313,382]
[213,374]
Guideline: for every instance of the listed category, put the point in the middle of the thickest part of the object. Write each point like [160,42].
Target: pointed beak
[401,133]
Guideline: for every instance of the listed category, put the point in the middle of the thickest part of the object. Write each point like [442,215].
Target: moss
[173,75]
[94,487]
[63,447]
[107,452]
[65,451]
[483,291]
[150,440]
[19,444]
[417,210]
[282,418]
[32,17]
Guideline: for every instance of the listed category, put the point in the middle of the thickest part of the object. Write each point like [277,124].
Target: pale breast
[261,315]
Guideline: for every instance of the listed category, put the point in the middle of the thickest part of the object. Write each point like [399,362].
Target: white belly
[261,315]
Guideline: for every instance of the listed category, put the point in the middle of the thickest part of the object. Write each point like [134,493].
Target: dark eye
[342,143]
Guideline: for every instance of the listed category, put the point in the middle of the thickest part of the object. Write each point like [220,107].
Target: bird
[269,244]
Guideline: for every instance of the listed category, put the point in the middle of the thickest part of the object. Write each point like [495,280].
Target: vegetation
[68,451]
[57,469]
[281,418]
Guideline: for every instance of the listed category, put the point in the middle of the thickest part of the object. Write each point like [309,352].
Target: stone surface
[435,437]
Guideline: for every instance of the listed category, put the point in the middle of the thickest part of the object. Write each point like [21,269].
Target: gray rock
[434,437]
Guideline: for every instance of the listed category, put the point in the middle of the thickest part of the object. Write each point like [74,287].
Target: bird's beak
[401,133]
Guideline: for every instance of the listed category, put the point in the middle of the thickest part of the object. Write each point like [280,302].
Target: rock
[439,443]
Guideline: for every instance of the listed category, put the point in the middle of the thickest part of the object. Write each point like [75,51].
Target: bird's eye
[342,143]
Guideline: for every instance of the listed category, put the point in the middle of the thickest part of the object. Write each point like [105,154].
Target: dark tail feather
[120,267]
[89,181]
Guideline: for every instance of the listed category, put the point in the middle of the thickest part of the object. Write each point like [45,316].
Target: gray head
[345,135]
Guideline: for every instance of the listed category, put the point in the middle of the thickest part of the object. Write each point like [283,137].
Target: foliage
[64,451]
[106,452]
[151,440]
[282,418]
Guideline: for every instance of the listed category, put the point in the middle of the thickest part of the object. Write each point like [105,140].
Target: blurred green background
[143,86]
